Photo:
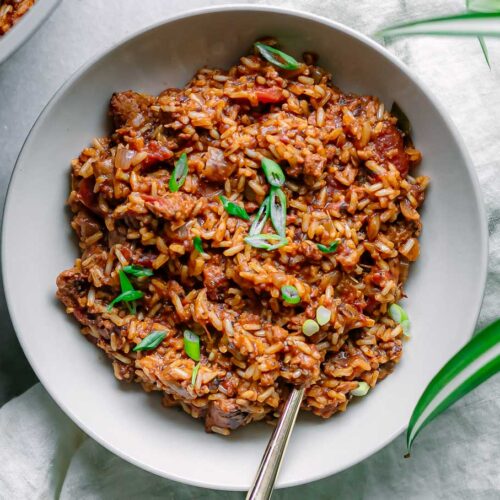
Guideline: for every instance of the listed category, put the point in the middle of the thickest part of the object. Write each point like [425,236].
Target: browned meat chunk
[217,168]
[84,224]
[215,281]
[174,206]
[390,148]
[226,414]
[314,165]
[130,109]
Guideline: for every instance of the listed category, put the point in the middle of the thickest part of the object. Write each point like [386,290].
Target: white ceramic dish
[445,288]
[25,27]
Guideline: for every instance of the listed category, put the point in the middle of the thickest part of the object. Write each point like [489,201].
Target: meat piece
[389,147]
[226,414]
[157,153]
[130,109]
[215,281]
[217,168]
[86,196]
[314,165]
[84,224]
[72,288]
[174,206]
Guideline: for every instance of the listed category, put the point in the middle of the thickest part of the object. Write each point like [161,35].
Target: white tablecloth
[44,455]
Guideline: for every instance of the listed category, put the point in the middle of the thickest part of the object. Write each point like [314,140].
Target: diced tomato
[269,94]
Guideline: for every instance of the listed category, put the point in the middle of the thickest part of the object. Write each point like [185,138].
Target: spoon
[263,484]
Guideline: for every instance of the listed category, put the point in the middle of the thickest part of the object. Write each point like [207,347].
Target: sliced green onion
[198,244]
[260,219]
[332,247]
[192,345]
[277,208]
[273,172]
[179,174]
[233,209]
[125,284]
[269,53]
[361,390]
[127,296]
[290,294]
[195,373]
[138,271]
[151,341]
[397,313]
[403,122]
[310,327]
[406,325]
[323,315]
[264,241]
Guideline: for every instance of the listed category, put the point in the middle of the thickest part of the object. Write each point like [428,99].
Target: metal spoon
[263,484]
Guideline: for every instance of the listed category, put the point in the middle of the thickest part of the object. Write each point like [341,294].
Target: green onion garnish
[195,373]
[290,294]
[192,345]
[260,219]
[127,296]
[277,206]
[198,244]
[323,315]
[264,241]
[269,53]
[310,327]
[125,284]
[361,390]
[233,209]
[151,341]
[138,271]
[332,247]
[399,315]
[179,174]
[273,172]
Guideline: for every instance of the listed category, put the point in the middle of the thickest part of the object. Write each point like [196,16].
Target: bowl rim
[27,26]
[477,193]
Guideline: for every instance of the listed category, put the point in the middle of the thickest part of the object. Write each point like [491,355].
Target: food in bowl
[11,11]
[245,234]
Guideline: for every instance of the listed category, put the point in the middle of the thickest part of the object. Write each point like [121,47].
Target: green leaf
[484,48]
[264,241]
[273,172]
[472,365]
[195,373]
[403,123]
[192,345]
[138,271]
[277,208]
[332,247]
[151,341]
[179,174]
[127,296]
[268,53]
[233,209]
[198,244]
[260,219]
[483,5]
[466,24]
[125,284]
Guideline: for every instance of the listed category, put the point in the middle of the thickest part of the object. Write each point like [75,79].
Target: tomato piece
[269,94]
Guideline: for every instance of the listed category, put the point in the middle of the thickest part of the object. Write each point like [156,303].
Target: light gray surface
[458,456]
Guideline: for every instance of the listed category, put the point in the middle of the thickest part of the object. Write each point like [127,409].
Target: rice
[347,178]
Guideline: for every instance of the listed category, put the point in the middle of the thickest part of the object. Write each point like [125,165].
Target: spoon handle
[269,467]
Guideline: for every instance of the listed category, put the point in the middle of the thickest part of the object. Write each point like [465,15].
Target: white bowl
[445,288]
[25,27]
